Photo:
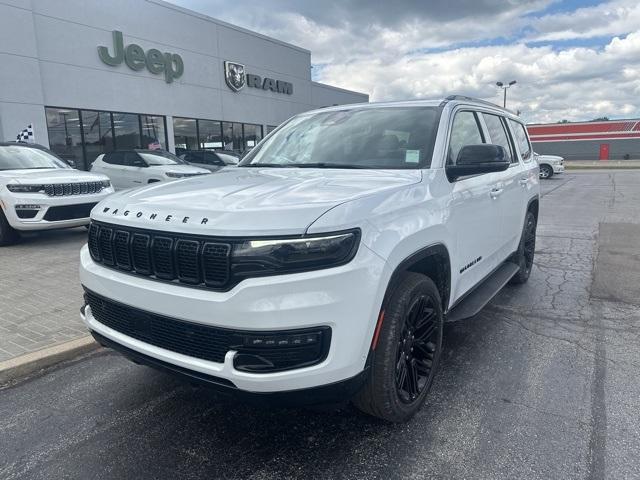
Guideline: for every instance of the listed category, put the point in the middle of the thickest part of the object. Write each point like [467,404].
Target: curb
[24,365]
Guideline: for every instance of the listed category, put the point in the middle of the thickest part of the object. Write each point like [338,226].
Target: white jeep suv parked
[134,168]
[39,191]
[324,265]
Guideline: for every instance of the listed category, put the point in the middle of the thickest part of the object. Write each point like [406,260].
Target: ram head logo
[234,75]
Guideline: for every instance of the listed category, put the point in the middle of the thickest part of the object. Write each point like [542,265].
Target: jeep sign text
[136,59]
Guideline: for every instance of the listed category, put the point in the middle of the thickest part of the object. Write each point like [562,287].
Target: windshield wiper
[270,165]
[328,165]
[304,165]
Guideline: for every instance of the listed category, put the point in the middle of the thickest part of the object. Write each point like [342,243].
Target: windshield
[161,158]
[16,157]
[381,138]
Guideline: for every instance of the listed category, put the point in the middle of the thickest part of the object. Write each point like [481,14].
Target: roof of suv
[455,99]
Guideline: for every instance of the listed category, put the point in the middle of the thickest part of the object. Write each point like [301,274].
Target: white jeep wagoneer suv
[324,265]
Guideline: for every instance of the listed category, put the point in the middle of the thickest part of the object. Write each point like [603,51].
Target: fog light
[281,340]
[283,350]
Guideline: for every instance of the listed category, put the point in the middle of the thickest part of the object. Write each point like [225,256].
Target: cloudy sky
[574,59]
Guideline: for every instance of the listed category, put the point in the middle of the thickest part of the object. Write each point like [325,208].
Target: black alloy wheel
[526,250]
[407,353]
[416,349]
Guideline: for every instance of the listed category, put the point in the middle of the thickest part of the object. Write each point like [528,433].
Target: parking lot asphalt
[543,383]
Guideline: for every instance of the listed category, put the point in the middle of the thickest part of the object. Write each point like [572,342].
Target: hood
[247,201]
[50,175]
[550,158]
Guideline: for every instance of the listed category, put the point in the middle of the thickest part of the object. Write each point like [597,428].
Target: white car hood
[247,201]
[549,158]
[49,175]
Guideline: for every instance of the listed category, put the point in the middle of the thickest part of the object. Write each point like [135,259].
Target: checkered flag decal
[26,135]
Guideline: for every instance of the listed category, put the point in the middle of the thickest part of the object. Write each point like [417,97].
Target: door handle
[496,192]
[523,181]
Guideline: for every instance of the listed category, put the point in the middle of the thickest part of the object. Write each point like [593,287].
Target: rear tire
[407,354]
[526,250]
[546,171]
[8,235]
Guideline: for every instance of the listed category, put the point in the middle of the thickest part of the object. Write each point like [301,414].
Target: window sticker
[412,156]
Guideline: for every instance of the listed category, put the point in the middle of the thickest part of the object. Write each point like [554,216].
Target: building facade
[603,140]
[94,76]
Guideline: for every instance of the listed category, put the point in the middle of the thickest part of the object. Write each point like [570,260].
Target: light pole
[505,87]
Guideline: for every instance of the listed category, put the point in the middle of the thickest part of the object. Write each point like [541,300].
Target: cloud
[574,84]
[606,19]
[416,49]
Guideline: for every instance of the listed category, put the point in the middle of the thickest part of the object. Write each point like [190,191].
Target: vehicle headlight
[106,183]
[288,255]
[16,188]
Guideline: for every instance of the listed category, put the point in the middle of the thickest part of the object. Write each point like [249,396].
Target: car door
[112,166]
[475,214]
[134,170]
[510,197]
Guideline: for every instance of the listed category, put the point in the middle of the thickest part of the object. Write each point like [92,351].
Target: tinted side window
[498,134]
[193,157]
[521,139]
[464,131]
[114,158]
[132,159]
[213,159]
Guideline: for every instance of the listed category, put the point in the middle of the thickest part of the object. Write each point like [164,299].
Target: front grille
[212,343]
[68,212]
[186,259]
[76,188]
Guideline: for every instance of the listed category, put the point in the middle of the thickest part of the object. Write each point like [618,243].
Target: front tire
[546,171]
[526,250]
[407,354]
[8,235]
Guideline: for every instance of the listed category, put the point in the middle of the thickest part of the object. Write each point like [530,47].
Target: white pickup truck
[324,265]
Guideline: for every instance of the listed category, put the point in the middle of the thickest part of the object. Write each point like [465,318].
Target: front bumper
[44,203]
[558,168]
[347,299]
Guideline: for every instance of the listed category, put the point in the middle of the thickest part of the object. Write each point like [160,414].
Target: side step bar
[483,293]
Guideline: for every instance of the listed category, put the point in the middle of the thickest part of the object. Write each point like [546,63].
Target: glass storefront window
[210,133]
[98,134]
[126,131]
[185,134]
[82,135]
[65,139]
[252,135]
[153,132]
[271,128]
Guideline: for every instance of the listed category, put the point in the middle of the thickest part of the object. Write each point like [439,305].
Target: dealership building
[597,140]
[91,77]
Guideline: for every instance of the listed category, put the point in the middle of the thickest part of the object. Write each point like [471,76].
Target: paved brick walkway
[40,294]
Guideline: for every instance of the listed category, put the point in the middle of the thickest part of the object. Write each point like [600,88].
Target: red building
[602,140]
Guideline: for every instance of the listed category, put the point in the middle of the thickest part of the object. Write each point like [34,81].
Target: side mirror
[71,163]
[478,159]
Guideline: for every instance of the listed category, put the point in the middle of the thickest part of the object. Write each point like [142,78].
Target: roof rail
[477,100]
